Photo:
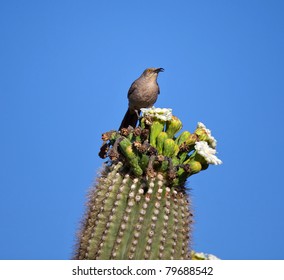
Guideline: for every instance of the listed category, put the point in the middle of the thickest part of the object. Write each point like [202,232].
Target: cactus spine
[139,208]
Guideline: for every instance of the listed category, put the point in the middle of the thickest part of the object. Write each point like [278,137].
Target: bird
[143,93]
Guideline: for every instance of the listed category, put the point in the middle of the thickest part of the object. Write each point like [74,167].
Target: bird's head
[152,72]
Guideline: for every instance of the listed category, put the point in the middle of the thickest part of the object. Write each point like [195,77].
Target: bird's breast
[144,96]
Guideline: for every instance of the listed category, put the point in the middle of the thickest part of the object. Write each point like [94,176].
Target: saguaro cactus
[139,208]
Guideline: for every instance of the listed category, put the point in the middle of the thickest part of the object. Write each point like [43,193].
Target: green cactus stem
[133,218]
[139,207]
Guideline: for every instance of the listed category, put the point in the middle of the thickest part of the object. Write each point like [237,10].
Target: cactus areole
[139,207]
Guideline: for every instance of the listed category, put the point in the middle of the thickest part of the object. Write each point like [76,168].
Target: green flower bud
[133,159]
[155,129]
[195,161]
[173,126]
[191,139]
[160,141]
[182,137]
[195,167]
[170,148]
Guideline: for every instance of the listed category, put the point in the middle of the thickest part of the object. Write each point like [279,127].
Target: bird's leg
[137,113]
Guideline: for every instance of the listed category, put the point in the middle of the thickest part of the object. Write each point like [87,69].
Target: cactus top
[153,147]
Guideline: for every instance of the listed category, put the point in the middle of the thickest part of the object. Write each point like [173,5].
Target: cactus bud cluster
[161,151]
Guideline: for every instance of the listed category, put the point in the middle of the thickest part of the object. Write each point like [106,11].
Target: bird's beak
[159,70]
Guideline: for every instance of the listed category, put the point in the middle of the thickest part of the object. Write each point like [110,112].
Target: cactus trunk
[134,218]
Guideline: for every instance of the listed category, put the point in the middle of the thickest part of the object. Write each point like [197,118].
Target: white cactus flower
[212,141]
[208,153]
[164,114]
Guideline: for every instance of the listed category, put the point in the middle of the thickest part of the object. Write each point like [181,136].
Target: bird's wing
[132,88]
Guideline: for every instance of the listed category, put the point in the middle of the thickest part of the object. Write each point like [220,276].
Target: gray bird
[143,93]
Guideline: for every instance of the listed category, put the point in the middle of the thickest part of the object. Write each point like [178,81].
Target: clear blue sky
[65,69]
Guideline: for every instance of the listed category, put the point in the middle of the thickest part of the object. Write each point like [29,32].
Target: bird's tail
[130,119]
